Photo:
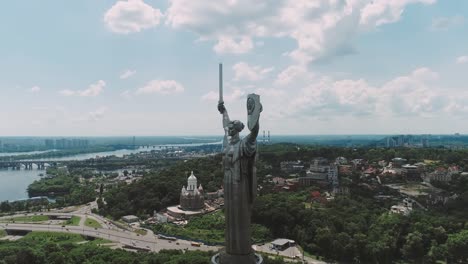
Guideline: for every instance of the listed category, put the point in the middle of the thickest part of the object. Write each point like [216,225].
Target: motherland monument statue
[240,181]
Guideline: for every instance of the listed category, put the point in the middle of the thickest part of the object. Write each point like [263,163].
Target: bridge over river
[27,165]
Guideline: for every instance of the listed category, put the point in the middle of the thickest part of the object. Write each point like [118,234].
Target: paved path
[126,238]
[109,231]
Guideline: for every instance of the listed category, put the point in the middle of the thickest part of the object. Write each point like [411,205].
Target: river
[13,183]
[5,154]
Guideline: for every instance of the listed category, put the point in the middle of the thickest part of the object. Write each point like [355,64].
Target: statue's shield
[254,108]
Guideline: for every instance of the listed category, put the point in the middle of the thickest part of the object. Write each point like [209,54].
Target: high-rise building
[424,141]
[49,143]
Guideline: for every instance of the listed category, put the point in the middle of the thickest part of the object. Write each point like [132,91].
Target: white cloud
[330,98]
[127,74]
[35,89]
[291,74]
[415,94]
[93,90]
[131,16]
[412,94]
[379,12]
[244,71]
[161,87]
[322,29]
[235,95]
[270,92]
[462,59]
[444,23]
[97,114]
[233,45]
[91,116]
[67,92]
[126,94]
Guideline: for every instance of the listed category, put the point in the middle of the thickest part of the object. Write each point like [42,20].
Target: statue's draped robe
[239,193]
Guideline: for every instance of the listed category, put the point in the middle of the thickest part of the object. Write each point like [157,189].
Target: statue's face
[232,131]
[235,127]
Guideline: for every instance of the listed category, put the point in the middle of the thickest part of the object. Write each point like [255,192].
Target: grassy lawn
[92,223]
[98,241]
[121,224]
[209,228]
[32,218]
[213,236]
[141,232]
[57,237]
[54,237]
[74,221]
[2,233]
[307,254]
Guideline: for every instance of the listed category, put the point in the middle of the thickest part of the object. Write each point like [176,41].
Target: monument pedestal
[224,258]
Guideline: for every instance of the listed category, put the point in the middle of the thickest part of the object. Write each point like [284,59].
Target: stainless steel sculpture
[240,182]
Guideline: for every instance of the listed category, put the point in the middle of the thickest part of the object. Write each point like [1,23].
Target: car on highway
[196,244]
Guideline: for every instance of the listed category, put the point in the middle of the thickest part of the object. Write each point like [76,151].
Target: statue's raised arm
[226,121]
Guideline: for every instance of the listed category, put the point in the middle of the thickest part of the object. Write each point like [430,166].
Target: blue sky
[149,67]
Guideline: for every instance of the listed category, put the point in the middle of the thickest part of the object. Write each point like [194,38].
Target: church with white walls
[191,197]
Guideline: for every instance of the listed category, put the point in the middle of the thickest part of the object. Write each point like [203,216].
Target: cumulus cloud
[92,91]
[290,74]
[127,74]
[233,45]
[126,94]
[91,116]
[97,114]
[462,59]
[321,29]
[444,23]
[331,98]
[379,12]
[277,93]
[161,87]
[245,72]
[234,95]
[35,89]
[414,94]
[131,16]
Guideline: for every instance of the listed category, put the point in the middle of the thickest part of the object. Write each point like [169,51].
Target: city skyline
[124,68]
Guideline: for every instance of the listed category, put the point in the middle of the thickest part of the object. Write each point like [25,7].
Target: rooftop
[282,241]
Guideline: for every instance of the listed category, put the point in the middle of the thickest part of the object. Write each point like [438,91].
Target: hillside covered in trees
[353,228]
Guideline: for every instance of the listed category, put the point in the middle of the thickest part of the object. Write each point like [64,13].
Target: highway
[126,238]
[109,231]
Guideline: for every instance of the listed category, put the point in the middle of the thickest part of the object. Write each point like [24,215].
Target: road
[126,238]
[108,231]
[114,233]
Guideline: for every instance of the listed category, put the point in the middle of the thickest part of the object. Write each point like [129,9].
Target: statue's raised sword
[221,84]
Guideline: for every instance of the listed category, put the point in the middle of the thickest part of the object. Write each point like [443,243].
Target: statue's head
[235,127]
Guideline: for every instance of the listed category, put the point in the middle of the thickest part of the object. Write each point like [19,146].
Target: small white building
[161,218]
[405,209]
[400,209]
[281,244]
[130,219]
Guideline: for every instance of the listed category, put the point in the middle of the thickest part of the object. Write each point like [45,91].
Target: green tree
[457,245]
[414,248]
